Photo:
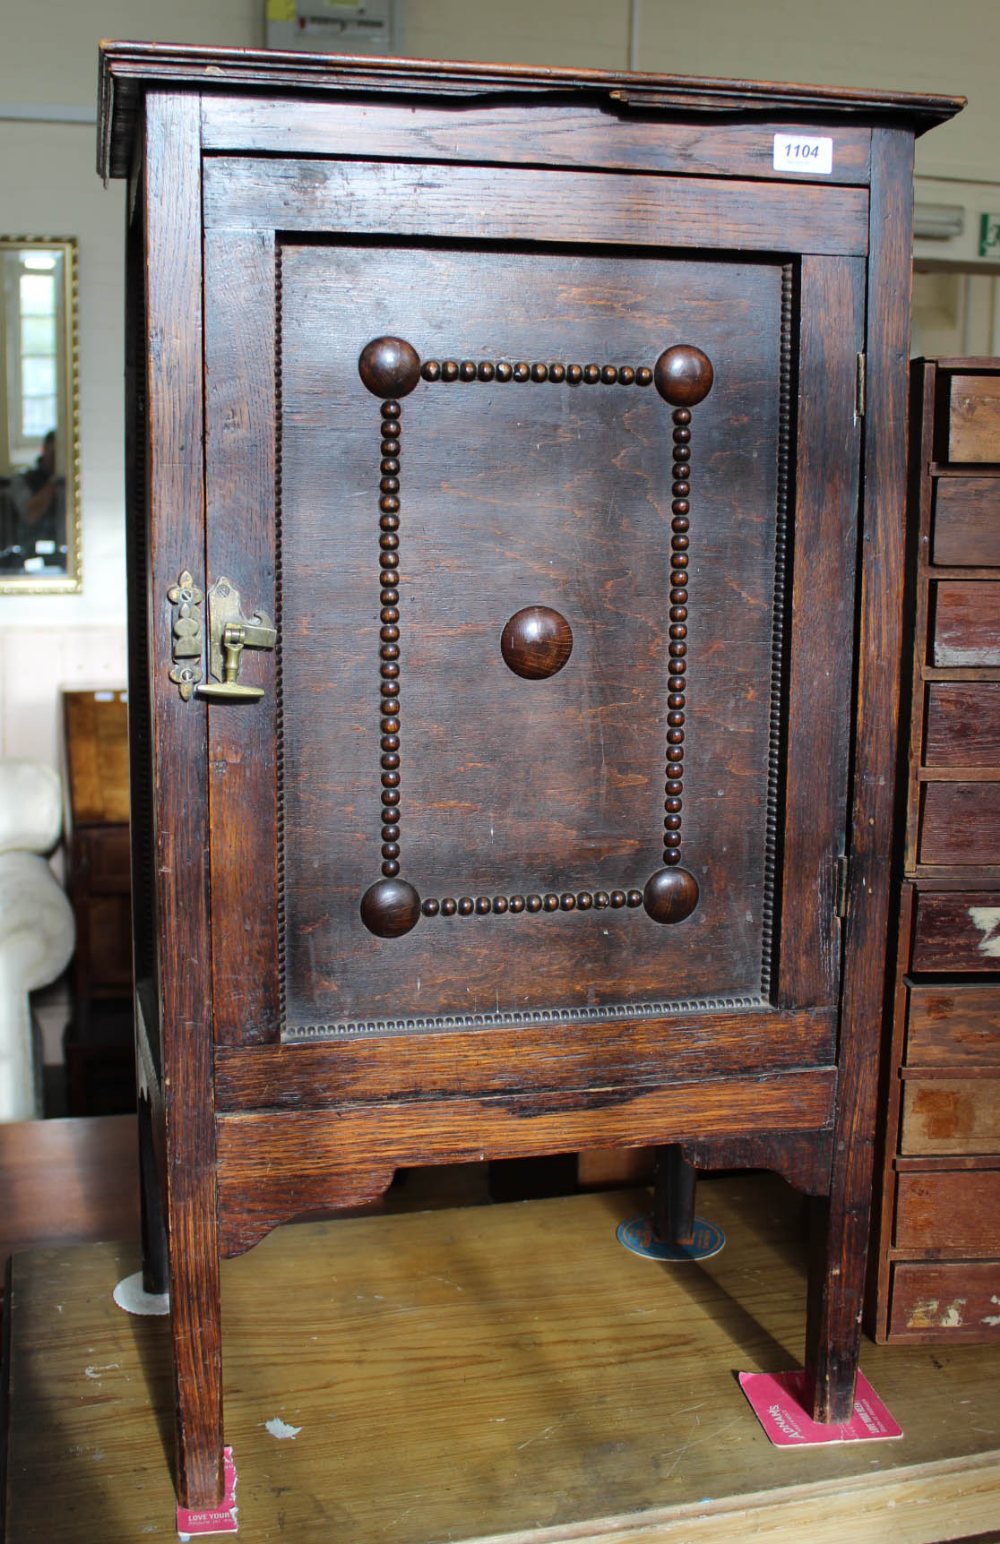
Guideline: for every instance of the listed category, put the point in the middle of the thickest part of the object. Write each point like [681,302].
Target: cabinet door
[555,732]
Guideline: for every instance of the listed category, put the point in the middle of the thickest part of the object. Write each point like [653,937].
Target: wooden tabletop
[506,1372]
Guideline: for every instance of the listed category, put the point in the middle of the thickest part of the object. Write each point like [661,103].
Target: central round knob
[536,642]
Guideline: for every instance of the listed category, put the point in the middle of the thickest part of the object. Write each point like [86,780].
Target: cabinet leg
[833,1322]
[196,1329]
[154,1233]
[674,1181]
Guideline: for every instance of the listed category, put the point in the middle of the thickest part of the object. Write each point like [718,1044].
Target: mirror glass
[39,417]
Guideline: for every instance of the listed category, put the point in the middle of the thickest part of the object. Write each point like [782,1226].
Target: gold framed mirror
[39,417]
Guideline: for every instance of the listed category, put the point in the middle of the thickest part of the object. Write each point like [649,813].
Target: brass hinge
[859,387]
[840,887]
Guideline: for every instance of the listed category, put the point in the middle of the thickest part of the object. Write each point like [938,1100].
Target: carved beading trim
[682,375]
[389,632]
[502,370]
[279,679]
[514,905]
[512,1020]
[772,816]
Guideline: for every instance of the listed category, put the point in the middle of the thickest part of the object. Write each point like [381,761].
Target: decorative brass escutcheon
[229,633]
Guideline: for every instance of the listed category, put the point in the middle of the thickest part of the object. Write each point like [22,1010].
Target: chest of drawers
[516,529]
[937,1264]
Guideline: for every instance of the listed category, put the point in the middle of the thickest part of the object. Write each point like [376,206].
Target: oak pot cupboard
[516,463]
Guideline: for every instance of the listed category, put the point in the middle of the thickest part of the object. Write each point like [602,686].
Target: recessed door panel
[534,813]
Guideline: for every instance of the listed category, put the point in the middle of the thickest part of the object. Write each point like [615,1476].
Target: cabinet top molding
[127,70]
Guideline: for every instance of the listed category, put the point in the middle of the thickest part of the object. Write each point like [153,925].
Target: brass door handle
[229,633]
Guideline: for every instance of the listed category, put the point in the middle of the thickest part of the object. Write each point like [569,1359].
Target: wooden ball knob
[671,894]
[536,642]
[390,908]
[389,367]
[683,375]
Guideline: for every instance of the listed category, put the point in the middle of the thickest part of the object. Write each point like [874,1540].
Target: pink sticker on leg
[192,1522]
[777,1400]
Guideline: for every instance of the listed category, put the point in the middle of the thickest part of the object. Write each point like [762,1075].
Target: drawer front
[961,823]
[949,1214]
[107,855]
[974,418]
[953,1024]
[951,1115]
[962,724]
[967,521]
[966,623]
[945,1302]
[957,930]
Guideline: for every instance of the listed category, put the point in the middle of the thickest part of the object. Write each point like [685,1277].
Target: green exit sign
[989,235]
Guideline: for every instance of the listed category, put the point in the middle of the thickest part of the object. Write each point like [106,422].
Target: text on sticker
[803,153]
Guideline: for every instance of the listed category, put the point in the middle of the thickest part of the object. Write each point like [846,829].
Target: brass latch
[229,633]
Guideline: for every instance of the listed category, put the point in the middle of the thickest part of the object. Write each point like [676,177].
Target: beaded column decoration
[537,641]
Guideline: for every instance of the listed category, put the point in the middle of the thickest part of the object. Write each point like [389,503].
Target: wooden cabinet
[936,1267]
[514,681]
[100,1065]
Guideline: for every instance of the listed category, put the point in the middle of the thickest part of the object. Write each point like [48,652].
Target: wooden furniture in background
[67,1182]
[937,1264]
[100,1060]
[514,681]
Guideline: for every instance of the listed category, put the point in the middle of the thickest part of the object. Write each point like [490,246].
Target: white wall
[48,64]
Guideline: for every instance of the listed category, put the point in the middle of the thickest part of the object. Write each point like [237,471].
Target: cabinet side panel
[834,1320]
[176,506]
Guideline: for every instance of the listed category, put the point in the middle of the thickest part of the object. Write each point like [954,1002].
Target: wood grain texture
[803,1160]
[129,69]
[828,439]
[942,1215]
[95,741]
[951,1115]
[508,204]
[581,135]
[68,1181]
[961,823]
[528,814]
[242,539]
[950,1024]
[514,1403]
[966,623]
[967,520]
[511,788]
[974,419]
[962,725]
[837,1285]
[272,1167]
[620,1054]
[177,523]
[957,931]
[938,1304]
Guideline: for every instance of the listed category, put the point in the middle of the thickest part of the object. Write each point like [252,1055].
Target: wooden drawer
[953,1024]
[951,1115]
[966,530]
[974,418]
[957,930]
[959,1301]
[949,1213]
[966,623]
[106,857]
[962,724]
[961,823]
[96,737]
